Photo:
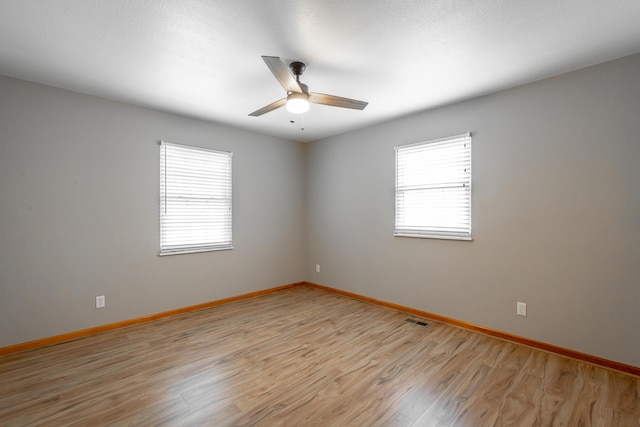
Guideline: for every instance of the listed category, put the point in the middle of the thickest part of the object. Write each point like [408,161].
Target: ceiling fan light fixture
[298,95]
[297,103]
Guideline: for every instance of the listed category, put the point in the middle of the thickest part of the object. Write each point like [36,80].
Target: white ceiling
[201,58]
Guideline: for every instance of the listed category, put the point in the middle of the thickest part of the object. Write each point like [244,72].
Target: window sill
[195,251]
[433,236]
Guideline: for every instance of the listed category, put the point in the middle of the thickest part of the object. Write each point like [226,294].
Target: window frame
[219,218]
[463,180]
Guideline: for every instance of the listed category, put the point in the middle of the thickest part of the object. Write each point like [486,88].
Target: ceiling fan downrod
[297,68]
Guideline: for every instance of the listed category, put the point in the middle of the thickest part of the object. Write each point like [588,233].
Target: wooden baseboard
[605,363]
[599,361]
[57,339]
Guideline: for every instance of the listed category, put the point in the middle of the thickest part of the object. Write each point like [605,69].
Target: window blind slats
[195,199]
[433,188]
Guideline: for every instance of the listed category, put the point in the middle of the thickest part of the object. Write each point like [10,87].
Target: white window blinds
[195,199]
[433,189]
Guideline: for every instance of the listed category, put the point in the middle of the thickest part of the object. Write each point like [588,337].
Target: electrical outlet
[521,308]
[100,303]
[317,268]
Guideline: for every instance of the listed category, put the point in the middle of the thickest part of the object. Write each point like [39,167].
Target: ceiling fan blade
[282,73]
[273,106]
[336,101]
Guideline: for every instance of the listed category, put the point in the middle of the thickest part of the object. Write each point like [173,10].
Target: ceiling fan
[298,95]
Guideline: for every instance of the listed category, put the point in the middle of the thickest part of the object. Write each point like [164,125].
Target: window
[195,199]
[433,189]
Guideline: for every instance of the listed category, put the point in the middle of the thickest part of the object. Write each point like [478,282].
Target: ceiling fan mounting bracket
[297,68]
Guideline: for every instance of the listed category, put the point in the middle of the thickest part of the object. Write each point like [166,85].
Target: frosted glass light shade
[297,103]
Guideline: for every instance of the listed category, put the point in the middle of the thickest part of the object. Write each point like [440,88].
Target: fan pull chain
[302,121]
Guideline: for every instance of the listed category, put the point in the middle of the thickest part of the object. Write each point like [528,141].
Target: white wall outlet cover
[100,302]
[317,268]
[521,309]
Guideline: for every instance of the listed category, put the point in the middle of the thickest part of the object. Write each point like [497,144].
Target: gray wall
[556,213]
[79,213]
[556,218]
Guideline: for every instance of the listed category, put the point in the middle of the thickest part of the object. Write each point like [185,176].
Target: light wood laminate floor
[304,356]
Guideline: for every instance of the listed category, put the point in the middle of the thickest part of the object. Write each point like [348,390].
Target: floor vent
[417,322]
